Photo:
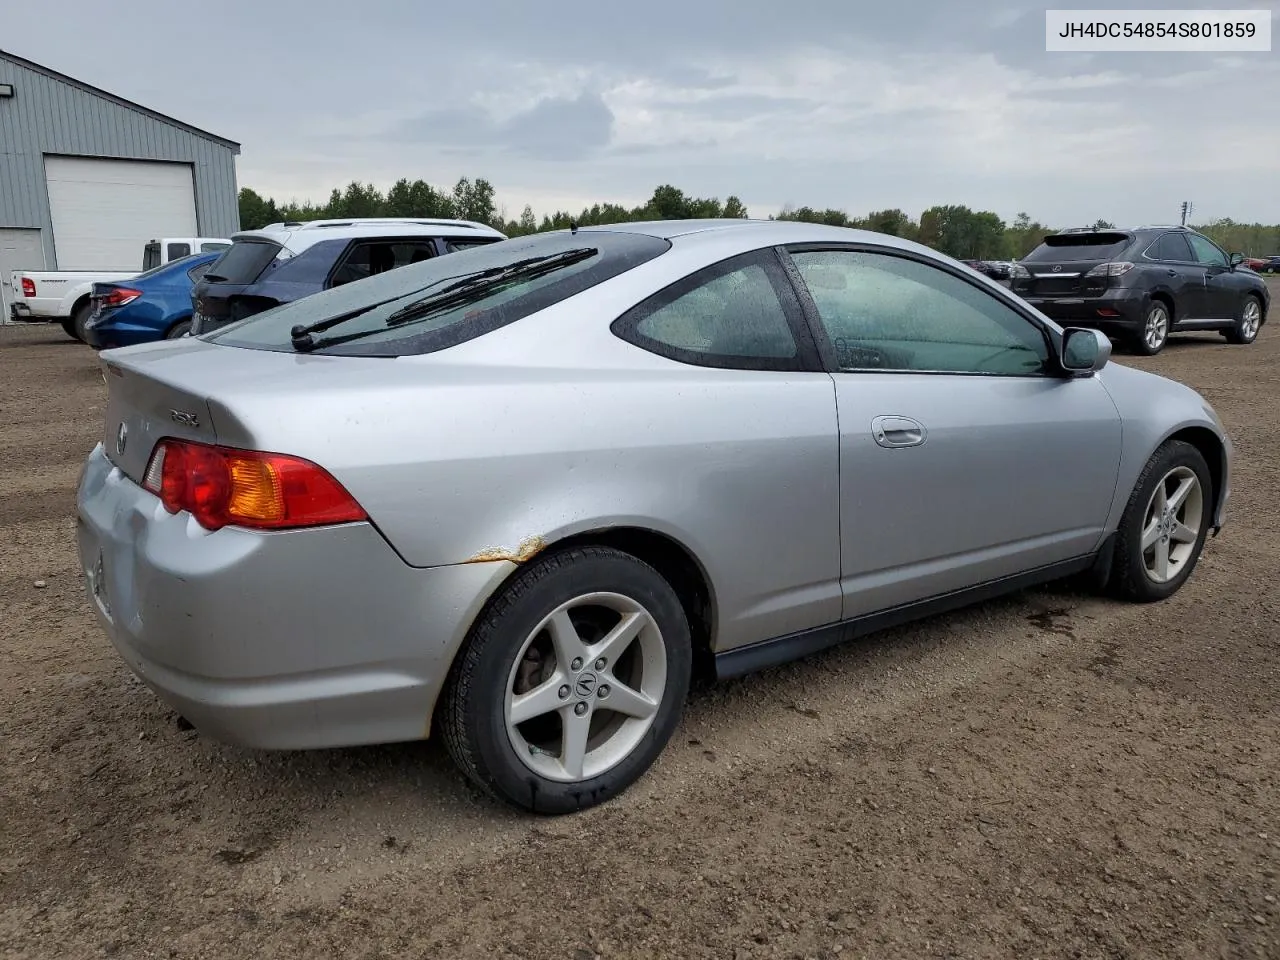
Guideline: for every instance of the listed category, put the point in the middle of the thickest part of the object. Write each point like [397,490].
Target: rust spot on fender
[529,548]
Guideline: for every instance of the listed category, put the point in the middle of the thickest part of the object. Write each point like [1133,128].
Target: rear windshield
[151,256]
[243,261]
[1079,246]
[603,255]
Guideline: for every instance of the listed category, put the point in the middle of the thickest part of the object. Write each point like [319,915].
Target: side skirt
[770,653]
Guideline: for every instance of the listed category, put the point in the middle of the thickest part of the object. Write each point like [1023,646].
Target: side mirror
[1084,350]
[1237,259]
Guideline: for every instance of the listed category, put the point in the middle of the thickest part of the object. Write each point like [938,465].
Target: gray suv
[1140,285]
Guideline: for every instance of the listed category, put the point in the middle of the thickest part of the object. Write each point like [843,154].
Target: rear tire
[1164,525]
[179,329]
[1154,334]
[1247,324]
[69,326]
[80,319]
[589,646]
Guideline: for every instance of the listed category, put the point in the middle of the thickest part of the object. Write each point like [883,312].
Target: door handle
[898,432]
[1173,273]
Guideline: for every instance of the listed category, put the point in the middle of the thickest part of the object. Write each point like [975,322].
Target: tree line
[953,229]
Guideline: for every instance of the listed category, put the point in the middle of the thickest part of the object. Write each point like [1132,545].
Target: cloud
[554,128]
[847,103]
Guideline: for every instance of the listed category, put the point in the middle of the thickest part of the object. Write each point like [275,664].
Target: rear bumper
[111,332]
[1121,310]
[310,638]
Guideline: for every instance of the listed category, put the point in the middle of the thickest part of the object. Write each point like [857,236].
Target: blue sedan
[151,306]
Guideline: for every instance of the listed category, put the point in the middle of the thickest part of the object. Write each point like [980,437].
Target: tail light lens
[225,486]
[28,287]
[1114,269]
[1018,272]
[118,296]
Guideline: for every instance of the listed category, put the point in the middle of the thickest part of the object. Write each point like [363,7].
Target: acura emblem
[122,438]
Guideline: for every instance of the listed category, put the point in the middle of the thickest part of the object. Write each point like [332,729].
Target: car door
[754,484]
[1178,273]
[964,458]
[1220,295]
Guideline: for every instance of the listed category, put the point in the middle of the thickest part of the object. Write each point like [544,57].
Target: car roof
[756,232]
[298,235]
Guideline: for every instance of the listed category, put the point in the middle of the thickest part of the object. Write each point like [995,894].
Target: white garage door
[104,211]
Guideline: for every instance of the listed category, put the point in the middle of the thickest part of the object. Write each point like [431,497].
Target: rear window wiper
[461,291]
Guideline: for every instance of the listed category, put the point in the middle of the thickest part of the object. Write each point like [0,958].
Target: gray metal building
[87,178]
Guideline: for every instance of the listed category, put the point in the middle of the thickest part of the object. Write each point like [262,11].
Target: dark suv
[284,262]
[1143,284]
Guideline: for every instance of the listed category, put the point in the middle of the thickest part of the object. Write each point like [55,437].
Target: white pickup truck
[63,295]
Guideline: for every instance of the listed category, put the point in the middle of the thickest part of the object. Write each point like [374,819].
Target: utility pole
[1187,207]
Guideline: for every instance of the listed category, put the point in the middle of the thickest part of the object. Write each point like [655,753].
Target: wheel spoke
[542,699]
[1151,534]
[616,641]
[573,745]
[1162,560]
[1161,499]
[624,699]
[565,638]
[1185,486]
[1183,534]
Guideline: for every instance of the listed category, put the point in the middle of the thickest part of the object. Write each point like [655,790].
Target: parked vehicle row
[1143,284]
[64,295]
[600,458]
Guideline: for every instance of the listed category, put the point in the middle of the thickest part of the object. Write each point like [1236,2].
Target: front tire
[1155,330]
[1164,525]
[179,329]
[571,683]
[1247,324]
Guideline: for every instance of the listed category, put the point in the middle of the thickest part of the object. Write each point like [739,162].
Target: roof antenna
[573,228]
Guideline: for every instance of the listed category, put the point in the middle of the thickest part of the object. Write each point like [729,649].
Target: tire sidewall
[79,320]
[178,330]
[498,641]
[1133,570]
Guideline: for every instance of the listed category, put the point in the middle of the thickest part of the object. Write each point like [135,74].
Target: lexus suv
[1140,285]
[284,262]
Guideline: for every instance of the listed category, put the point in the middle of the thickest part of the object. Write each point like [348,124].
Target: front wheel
[1155,330]
[571,683]
[1247,324]
[180,329]
[1164,525]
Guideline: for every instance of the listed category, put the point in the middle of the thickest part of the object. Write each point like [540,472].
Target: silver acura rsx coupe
[515,496]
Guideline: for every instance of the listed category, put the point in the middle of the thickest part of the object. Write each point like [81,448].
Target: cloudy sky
[559,103]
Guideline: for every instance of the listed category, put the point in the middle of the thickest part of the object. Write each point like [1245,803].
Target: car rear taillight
[1018,272]
[118,296]
[226,486]
[1113,269]
[28,287]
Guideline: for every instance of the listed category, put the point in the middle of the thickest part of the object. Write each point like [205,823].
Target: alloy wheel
[1171,524]
[1157,329]
[1251,321]
[585,687]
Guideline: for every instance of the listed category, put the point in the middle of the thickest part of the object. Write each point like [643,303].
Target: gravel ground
[1047,775]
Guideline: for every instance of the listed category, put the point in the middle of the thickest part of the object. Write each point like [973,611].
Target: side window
[379,256]
[1206,251]
[885,312]
[198,271]
[737,314]
[1172,246]
[179,250]
[150,256]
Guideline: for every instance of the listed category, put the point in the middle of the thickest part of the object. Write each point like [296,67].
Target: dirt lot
[1050,775]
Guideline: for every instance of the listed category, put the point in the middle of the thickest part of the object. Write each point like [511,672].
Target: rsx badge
[184,418]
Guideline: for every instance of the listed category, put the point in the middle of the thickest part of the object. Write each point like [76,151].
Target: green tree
[734,209]
[255,211]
